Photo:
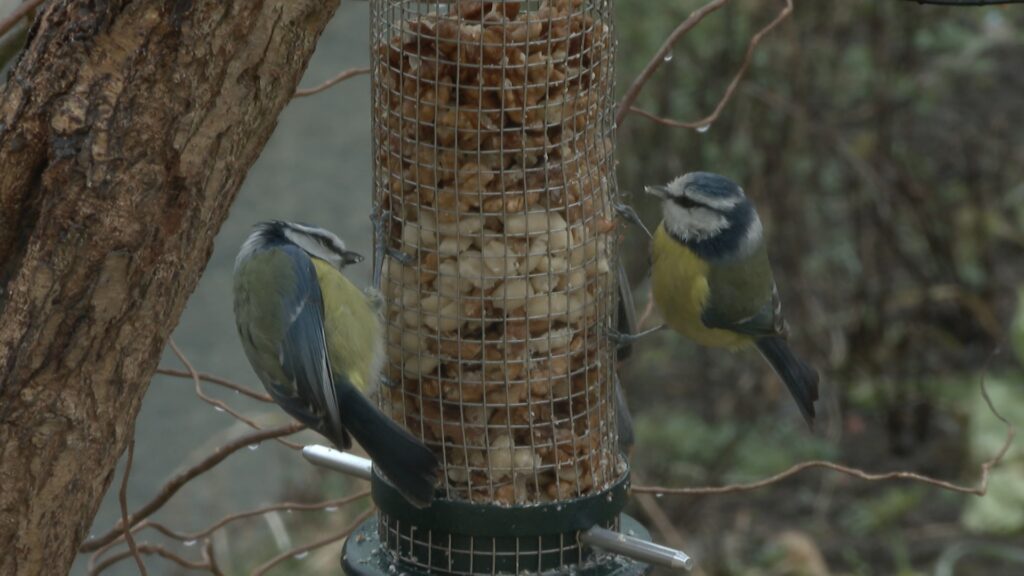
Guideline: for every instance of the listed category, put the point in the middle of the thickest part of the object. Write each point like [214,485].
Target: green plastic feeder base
[363,555]
[459,538]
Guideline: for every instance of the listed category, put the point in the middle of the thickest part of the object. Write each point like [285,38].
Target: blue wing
[767,321]
[303,355]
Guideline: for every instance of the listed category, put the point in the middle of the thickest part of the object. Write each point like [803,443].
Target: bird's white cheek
[693,223]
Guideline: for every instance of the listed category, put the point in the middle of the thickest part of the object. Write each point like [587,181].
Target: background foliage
[882,143]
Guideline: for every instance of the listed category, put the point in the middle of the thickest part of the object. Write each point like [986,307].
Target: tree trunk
[126,129]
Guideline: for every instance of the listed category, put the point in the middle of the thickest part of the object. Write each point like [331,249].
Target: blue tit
[713,282]
[314,340]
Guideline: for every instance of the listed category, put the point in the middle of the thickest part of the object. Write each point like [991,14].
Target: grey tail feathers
[398,455]
[800,378]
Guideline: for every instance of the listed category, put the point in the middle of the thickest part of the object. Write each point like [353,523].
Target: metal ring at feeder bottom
[364,555]
[465,538]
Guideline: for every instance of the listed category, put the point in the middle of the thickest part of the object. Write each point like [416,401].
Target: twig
[20,12]
[187,537]
[660,520]
[263,568]
[663,523]
[210,558]
[147,548]
[980,489]
[209,530]
[731,89]
[122,496]
[240,388]
[194,374]
[657,515]
[341,77]
[659,57]
[174,484]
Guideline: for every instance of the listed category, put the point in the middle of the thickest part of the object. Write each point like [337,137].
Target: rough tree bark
[126,129]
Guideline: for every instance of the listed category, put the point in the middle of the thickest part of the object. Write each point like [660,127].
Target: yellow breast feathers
[351,327]
[679,280]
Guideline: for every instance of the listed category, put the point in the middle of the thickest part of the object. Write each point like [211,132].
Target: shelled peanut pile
[494,160]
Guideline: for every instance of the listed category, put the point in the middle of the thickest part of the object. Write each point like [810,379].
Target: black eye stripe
[686,202]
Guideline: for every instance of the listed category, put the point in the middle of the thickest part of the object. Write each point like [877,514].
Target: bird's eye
[686,202]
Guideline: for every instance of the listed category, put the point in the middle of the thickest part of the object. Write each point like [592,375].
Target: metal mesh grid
[479,555]
[492,126]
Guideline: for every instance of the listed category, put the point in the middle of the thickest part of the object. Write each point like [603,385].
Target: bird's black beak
[659,191]
[350,257]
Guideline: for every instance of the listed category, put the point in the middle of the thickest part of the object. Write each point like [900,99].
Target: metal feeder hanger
[494,186]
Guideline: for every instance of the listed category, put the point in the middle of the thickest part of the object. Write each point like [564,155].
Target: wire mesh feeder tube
[492,126]
[492,134]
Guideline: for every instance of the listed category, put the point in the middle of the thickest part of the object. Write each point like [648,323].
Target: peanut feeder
[493,161]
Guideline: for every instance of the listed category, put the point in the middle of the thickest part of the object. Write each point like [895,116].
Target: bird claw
[622,340]
[381,249]
[402,257]
[629,214]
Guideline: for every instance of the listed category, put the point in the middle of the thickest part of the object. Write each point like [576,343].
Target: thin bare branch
[263,568]
[671,535]
[122,496]
[979,489]
[174,484]
[210,558]
[207,533]
[149,549]
[194,374]
[20,12]
[212,379]
[341,77]
[659,57]
[209,530]
[733,85]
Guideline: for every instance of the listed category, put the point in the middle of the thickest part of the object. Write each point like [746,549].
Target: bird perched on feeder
[314,340]
[712,279]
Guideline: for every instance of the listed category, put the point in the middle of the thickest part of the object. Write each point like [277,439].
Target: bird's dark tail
[627,436]
[801,379]
[409,465]
[627,321]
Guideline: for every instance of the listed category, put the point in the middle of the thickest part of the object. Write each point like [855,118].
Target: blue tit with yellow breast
[713,282]
[314,340]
